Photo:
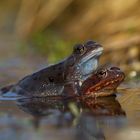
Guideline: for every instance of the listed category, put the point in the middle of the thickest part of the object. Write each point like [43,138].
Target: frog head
[84,59]
[106,78]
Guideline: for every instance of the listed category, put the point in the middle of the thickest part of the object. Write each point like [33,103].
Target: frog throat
[89,63]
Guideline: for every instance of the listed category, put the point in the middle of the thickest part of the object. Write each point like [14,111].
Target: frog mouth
[110,83]
[95,53]
[106,86]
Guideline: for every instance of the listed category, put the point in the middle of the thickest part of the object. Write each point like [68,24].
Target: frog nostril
[90,42]
[115,68]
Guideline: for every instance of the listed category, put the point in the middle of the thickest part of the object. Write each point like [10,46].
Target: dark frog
[50,81]
[102,82]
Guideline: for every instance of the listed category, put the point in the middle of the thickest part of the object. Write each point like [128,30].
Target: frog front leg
[71,89]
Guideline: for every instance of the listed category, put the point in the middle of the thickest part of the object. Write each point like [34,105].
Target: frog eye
[79,49]
[102,73]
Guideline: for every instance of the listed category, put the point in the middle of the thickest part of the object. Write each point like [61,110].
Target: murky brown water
[111,118]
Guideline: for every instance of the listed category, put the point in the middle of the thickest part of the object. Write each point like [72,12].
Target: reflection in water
[43,107]
[103,106]
[89,115]
[97,115]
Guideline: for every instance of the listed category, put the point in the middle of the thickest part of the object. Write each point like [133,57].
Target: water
[111,118]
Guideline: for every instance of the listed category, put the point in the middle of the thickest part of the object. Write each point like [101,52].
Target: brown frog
[50,81]
[103,82]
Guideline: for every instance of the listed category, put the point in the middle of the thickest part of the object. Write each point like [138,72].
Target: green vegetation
[51,45]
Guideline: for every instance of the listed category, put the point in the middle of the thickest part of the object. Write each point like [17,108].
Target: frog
[103,82]
[51,80]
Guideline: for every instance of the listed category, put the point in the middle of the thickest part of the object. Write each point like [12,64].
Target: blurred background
[36,33]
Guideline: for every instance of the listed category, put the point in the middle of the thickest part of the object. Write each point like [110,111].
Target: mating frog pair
[75,75]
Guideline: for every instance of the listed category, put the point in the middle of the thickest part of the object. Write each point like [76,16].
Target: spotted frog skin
[50,81]
[103,82]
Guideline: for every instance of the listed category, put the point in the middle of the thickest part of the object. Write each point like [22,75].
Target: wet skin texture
[103,82]
[51,80]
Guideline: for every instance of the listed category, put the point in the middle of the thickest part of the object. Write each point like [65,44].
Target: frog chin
[89,66]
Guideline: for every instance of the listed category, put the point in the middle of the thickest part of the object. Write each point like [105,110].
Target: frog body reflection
[51,80]
[99,115]
[106,106]
[42,106]
[56,106]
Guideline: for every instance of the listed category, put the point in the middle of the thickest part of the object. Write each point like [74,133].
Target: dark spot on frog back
[51,79]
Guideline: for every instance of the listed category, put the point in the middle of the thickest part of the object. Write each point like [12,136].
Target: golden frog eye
[79,49]
[102,73]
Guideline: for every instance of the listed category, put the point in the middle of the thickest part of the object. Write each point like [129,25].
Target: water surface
[111,118]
